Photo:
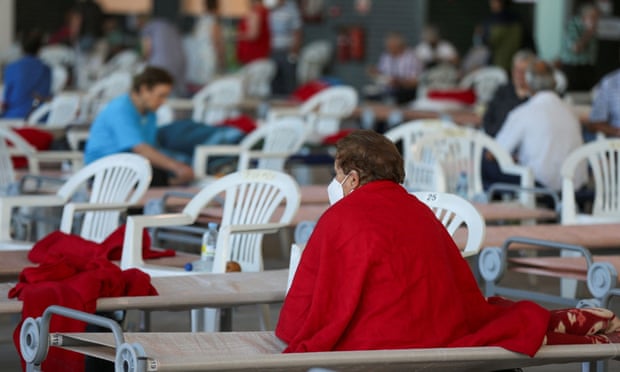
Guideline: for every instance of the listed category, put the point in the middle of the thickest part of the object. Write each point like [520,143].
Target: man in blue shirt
[128,123]
[27,80]
[605,114]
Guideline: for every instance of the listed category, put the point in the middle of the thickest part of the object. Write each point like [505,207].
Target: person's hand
[182,174]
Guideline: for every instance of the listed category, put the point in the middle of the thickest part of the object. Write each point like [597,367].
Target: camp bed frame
[142,352]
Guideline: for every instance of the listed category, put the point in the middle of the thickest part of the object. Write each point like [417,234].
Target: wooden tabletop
[191,291]
[598,236]
[561,267]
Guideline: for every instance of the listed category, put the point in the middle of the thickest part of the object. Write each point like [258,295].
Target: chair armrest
[75,157]
[70,209]
[9,202]
[276,113]
[223,240]
[498,187]
[203,152]
[132,243]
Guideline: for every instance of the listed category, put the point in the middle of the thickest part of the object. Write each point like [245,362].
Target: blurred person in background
[286,38]
[27,81]
[580,48]
[433,50]
[205,46]
[162,46]
[253,34]
[503,33]
[398,69]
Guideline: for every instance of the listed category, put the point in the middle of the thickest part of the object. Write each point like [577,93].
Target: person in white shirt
[544,130]
[433,51]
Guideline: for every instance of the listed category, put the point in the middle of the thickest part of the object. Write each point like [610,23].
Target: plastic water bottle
[462,185]
[207,251]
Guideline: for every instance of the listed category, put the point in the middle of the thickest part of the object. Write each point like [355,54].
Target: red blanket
[74,272]
[381,272]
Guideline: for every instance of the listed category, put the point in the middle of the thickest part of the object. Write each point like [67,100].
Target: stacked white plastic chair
[57,55]
[251,198]
[117,182]
[459,151]
[278,140]
[103,91]
[257,77]
[419,176]
[312,60]
[323,112]
[62,110]
[218,100]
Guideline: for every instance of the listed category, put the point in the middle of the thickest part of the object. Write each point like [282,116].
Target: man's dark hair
[32,42]
[212,5]
[372,155]
[150,77]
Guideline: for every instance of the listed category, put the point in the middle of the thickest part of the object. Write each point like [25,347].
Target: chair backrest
[454,212]
[218,100]
[127,60]
[257,77]
[485,81]
[60,77]
[283,136]
[296,252]
[104,90]
[18,146]
[251,197]
[57,55]
[312,60]
[326,109]
[118,178]
[458,151]
[61,111]
[603,158]
[419,176]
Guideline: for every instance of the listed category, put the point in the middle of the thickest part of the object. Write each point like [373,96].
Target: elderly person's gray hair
[523,55]
[540,76]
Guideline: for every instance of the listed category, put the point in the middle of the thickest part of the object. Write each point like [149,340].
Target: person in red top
[380,271]
[254,36]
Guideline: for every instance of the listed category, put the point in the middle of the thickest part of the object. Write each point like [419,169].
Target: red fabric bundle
[242,122]
[465,96]
[75,272]
[306,91]
[583,326]
[39,139]
[334,138]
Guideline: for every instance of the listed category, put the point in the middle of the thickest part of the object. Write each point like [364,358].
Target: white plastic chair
[280,139]
[117,182]
[485,81]
[63,110]
[126,61]
[561,81]
[460,150]
[218,100]
[164,114]
[257,77]
[57,55]
[419,176]
[453,212]
[603,158]
[103,91]
[251,198]
[19,147]
[312,60]
[324,111]
[60,77]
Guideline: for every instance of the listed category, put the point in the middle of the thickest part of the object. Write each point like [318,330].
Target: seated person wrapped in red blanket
[381,272]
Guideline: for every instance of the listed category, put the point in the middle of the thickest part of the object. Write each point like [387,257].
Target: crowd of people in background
[273,30]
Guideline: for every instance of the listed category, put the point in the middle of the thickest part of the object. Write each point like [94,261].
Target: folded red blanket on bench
[75,272]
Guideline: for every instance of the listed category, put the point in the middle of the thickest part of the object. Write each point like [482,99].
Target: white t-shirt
[542,132]
[443,52]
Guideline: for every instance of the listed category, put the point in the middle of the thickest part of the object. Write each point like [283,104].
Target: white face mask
[335,191]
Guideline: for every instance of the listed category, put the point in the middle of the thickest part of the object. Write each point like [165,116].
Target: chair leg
[568,287]
[205,320]
[264,316]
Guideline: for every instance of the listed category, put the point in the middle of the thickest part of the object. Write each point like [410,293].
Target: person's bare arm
[603,127]
[218,42]
[182,172]
[146,47]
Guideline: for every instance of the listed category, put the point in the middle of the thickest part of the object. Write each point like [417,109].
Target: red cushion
[242,122]
[304,92]
[334,138]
